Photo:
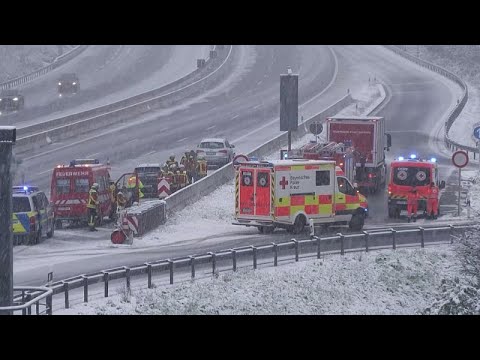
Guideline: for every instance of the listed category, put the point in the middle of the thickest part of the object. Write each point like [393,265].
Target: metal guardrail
[377,239]
[28,296]
[120,111]
[452,145]
[35,74]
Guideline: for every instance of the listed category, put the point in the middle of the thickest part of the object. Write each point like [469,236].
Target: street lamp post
[7,140]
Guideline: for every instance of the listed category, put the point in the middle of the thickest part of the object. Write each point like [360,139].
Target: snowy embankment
[463,62]
[386,282]
[18,60]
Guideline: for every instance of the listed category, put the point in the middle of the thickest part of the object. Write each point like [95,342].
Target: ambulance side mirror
[442,184]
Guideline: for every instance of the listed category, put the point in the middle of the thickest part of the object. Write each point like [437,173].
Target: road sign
[237,160]
[476,132]
[316,128]
[460,159]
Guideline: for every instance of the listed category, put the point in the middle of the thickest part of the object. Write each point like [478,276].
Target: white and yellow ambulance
[288,193]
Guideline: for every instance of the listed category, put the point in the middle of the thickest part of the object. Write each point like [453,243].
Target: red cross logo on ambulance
[283,182]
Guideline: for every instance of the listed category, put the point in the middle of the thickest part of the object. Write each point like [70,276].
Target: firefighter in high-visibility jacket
[182,177]
[132,184]
[172,173]
[201,167]
[112,189]
[412,204]
[432,201]
[92,206]
[171,161]
[121,201]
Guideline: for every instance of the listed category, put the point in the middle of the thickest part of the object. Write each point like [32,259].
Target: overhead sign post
[316,129]
[238,159]
[476,134]
[460,160]
[289,104]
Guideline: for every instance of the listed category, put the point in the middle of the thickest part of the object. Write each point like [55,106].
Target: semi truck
[367,136]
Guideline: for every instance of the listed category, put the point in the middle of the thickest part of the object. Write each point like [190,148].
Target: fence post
[127,276]
[367,235]
[394,243]
[451,233]
[170,265]
[49,309]
[422,235]
[29,309]
[254,250]
[66,291]
[192,265]
[85,288]
[105,281]
[24,311]
[296,249]
[318,246]
[149,275]
[275,254]
[342,245]
[234,259]
[37,307]
[214,262]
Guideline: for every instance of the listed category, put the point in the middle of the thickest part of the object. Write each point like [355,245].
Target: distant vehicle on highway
[11,100]
[68,84]
[217,151]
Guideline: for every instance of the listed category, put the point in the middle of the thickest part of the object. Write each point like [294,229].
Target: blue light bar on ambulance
[401,158]
[433,159]
[24,189]
[413,156]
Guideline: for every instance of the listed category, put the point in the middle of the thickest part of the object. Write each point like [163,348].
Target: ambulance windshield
[411,176]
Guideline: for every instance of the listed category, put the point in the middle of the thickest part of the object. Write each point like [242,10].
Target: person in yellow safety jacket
[201,166]
[112,190]
[184,159]
[172,161]
[132,183]
[92,206]
[172,173]
[182,177]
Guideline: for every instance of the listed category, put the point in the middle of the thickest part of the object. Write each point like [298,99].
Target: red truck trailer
[367,136]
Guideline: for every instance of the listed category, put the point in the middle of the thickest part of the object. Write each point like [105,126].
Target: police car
[33,216]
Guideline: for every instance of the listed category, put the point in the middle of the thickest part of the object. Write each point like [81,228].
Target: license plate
[64,209]
[211,153]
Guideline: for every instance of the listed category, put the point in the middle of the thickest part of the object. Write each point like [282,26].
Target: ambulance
[288,193]
[405,173]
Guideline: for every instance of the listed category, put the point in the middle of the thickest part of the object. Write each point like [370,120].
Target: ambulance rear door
[255,192]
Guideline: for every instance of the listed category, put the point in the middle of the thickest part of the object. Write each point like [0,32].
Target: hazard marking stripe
[282,211]
[297,200]
[312,167]
[297,167]
[311,209]
[324,199]
[296,209]
[282,168]
[325,209]
[311,200]
[340,207]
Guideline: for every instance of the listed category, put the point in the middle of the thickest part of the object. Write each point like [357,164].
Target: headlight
[15,99]
[74,83]
[59,83]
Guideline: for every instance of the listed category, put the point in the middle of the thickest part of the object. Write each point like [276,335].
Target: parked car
[68,84]
[216,151]
[33,216]
[11,100]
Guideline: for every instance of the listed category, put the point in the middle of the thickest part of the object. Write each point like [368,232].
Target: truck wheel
[357,222]
[52,231]
[268,229]
[58,224]
[299,224]
[260,229]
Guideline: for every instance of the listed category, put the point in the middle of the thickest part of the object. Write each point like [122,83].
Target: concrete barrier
[150,215]
[195,191]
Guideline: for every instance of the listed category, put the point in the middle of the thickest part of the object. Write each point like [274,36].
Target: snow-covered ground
[387,282]
[18,60]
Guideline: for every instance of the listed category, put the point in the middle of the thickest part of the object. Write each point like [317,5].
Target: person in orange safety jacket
[432,201]
[412,204]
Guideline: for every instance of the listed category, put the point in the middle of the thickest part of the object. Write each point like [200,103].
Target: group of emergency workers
[192,167]
[432,203]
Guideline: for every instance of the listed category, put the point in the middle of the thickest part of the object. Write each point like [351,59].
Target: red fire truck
[70,186]
[342,154]
[367,135]
[406,173]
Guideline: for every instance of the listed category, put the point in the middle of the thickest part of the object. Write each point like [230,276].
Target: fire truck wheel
[299,224]
[357,221]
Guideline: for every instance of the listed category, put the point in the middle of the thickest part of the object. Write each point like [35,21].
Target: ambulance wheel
[357,222]
[299,224]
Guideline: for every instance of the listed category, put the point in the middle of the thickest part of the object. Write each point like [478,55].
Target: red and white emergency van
[404,175]
[70,186]
[288,193]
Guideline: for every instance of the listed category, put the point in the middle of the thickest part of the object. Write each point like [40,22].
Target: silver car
[216,151]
